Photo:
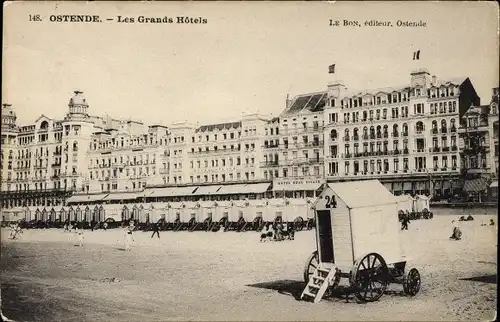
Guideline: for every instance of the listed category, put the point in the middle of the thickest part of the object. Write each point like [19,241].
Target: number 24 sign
[330,202]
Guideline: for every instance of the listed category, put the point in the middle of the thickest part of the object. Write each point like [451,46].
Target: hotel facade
[410,137]
[405,136]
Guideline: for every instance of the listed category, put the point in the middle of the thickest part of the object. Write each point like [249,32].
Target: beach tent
[405,203]
[421,202]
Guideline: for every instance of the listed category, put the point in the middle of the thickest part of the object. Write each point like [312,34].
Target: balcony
[436,149]
[444,130]
[434,131]
[446,149]
[395,134]
[453,129]
[163,171]
[269,164]
[346,138]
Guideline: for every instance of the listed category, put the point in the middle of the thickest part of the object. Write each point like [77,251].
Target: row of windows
[444,107]
[248,147]
[223,163]
[128,172]
[134,160]
[383,165]
[224,177]
[293,172]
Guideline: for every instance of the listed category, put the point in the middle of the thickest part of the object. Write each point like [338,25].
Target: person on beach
[457,233]
[156,230]
[405,222]
[79,233]
[492,222]
[129,238]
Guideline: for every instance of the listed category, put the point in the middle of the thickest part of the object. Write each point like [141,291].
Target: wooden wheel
[411,282]
[369,277]
[257,223]
[311,264]
[298,223]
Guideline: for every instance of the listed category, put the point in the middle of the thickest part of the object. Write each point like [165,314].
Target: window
[346,167]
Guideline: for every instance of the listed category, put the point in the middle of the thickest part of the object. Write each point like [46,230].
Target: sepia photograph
[249,161]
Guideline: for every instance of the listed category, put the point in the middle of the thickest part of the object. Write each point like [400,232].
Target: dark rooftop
[220,126]
[314,102]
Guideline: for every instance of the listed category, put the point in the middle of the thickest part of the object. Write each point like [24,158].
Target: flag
[331,69]
[416,55]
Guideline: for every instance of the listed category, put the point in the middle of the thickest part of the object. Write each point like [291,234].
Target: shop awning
[207,190]
[86,198]
[494,184]
[124,196]
[475,185]
[244,188]
[169,192]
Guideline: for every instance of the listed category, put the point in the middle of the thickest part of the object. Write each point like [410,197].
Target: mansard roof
[220,126]
[309,103]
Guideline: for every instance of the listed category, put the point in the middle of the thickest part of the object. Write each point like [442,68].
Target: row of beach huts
[291,210]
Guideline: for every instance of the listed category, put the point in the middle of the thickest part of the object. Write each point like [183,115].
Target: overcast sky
[247,58]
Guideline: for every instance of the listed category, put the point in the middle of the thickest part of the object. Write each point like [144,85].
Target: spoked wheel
[257,223]
[298,223]
[369,277]
[411,282]
[311,264]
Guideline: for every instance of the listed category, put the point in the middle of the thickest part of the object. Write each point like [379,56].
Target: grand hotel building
[406,136]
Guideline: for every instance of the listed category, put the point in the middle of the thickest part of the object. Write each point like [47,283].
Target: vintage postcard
[257,161]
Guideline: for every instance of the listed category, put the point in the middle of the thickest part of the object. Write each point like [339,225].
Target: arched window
[395,132]
[434,125]
[355,133]
[365,132]
[386,129]
[75,146]
[405,129]
[443,126]
[333,134]
[419,126]
[452,125]
[44,125]
[346,136]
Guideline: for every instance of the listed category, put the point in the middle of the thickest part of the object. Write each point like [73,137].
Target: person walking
[156,230]
[129,238]
[79,233]
[405,222]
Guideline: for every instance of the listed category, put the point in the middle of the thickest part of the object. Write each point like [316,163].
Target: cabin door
[324,236]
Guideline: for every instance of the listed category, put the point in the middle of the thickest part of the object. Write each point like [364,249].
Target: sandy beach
[232,276]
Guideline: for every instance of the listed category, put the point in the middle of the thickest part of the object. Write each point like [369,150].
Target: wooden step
[309,294]
[319,278]
[323,270]
[315,286]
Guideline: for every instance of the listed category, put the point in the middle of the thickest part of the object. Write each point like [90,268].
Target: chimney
[434,80]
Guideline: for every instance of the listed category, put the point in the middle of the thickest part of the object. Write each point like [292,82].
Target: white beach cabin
[355,218]
[405,203]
